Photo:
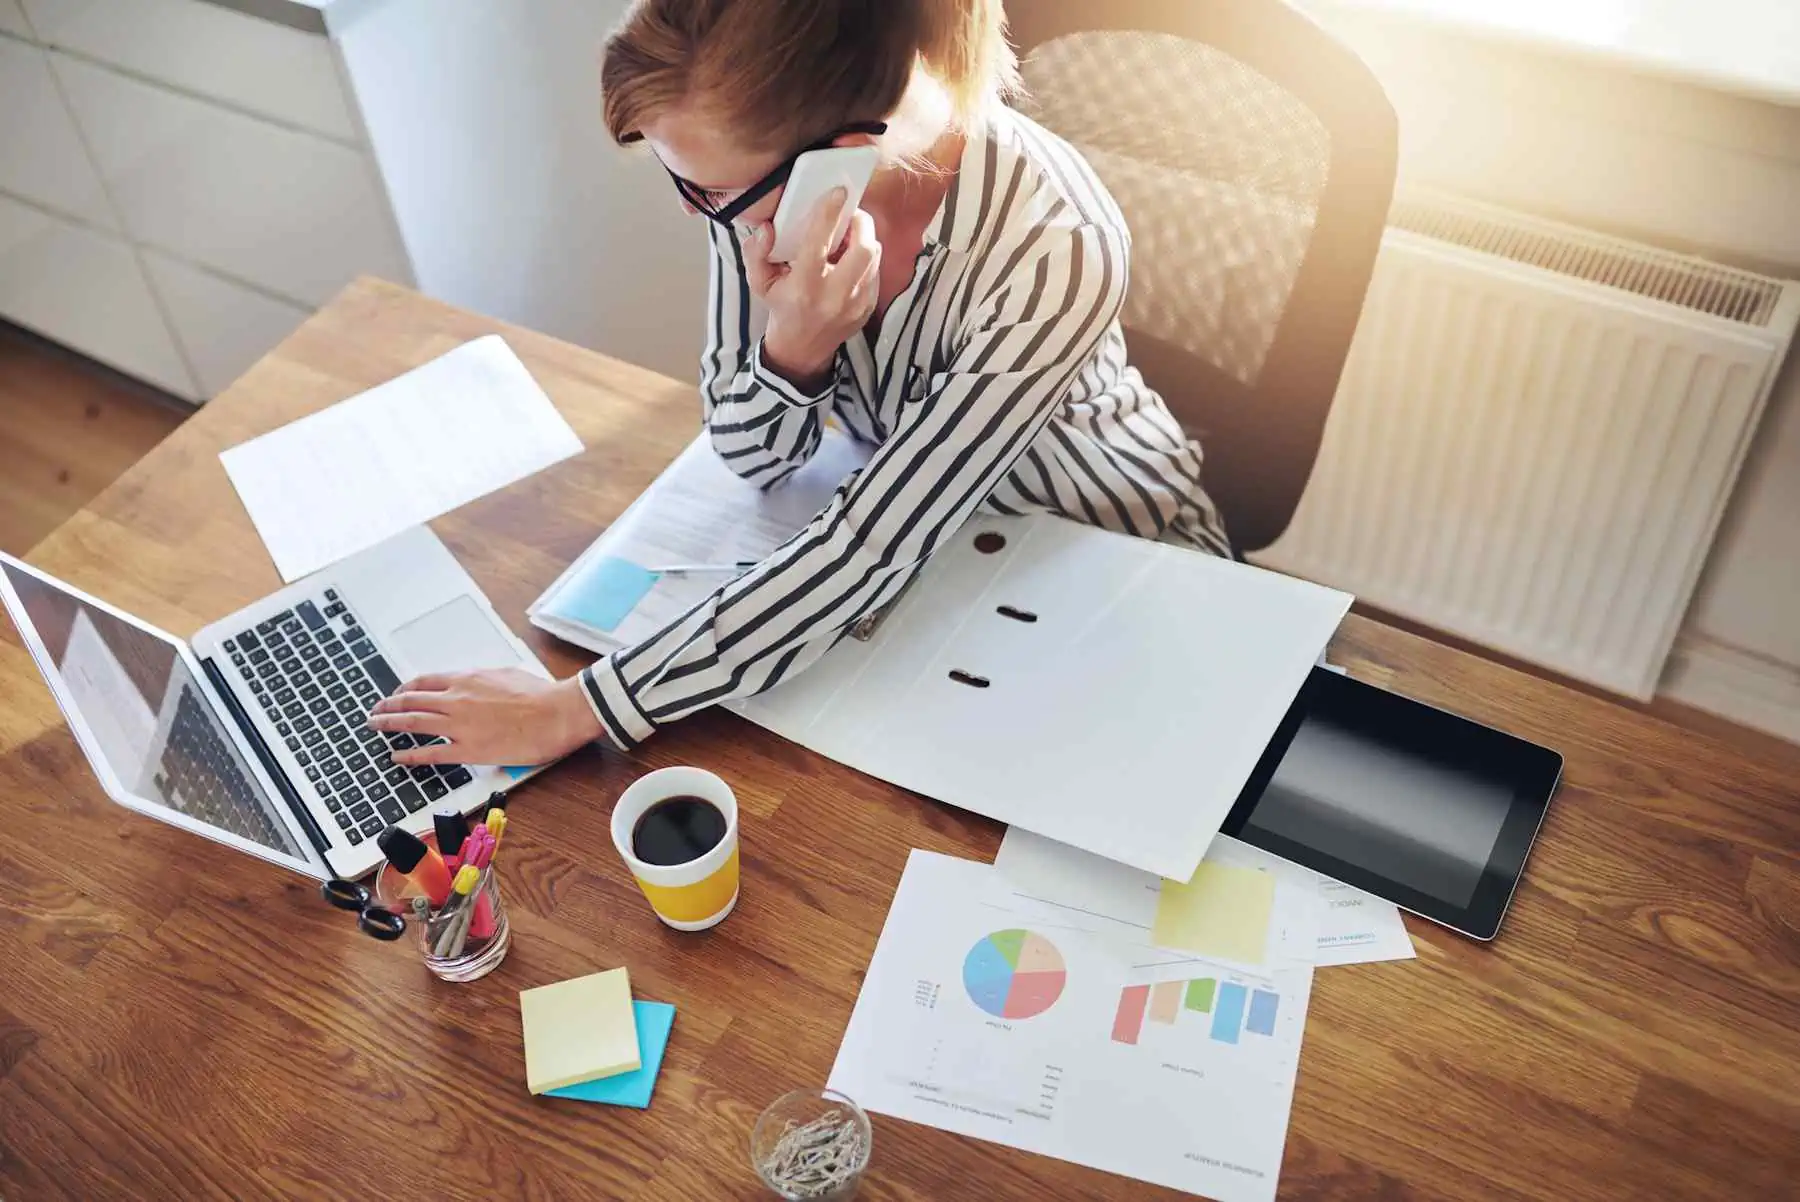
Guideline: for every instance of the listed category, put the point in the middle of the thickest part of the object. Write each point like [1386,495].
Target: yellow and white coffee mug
[700,893]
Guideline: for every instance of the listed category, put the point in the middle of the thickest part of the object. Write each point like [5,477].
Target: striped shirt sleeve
[761,426]
[1021,348]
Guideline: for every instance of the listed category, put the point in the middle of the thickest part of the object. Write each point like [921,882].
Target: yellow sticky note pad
[579,1030]
[1224,911]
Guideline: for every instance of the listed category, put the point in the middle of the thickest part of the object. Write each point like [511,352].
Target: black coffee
[677,830]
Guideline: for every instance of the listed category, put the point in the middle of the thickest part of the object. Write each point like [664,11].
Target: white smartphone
[814,175]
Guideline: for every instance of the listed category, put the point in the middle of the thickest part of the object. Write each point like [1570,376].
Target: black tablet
[1429,810]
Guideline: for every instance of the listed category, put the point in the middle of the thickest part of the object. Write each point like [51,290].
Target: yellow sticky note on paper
[1224,911]
[579,1030]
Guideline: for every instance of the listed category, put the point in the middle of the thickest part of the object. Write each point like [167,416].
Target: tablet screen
[1427,822]
[1405,801]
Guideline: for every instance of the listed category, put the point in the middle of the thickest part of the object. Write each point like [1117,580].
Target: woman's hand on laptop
[495,716]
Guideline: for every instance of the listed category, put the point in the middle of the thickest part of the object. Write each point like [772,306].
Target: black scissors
[371,919]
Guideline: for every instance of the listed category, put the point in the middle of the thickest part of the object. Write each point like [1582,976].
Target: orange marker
[416,862]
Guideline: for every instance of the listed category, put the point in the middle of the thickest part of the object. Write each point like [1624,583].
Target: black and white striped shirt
[998,379]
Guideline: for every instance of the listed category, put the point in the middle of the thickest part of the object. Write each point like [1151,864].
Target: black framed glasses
[725,209]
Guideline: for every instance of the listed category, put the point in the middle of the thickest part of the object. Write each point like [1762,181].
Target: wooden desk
[178,1021]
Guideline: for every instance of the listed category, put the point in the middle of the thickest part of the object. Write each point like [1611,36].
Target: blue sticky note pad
[604,593]
[514,773]
[654,1021]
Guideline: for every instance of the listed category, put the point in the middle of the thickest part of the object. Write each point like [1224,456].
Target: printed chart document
[978,1019]
[345,478]
[1219,913]
[698,512]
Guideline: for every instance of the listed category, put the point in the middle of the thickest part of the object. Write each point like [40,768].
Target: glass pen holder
[464,939]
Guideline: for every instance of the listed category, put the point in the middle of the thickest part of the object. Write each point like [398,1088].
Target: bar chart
[1230,1009]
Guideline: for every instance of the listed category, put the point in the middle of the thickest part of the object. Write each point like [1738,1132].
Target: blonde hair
[785,73]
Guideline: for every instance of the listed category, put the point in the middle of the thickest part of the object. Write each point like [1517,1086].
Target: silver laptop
[255,733]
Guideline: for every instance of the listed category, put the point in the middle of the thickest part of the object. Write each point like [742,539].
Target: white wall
[485,119]
[1750,595]
[1739,654]
[1574,137]
[1673,164]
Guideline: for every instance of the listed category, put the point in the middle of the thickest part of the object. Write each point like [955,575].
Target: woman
[966,327]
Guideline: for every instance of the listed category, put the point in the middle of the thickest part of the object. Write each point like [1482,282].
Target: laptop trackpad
[457,636]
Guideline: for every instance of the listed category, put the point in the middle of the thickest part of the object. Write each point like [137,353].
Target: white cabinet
[84,288]
[288,211]
[207,49]
[41,156]
[181,181]
[224,327]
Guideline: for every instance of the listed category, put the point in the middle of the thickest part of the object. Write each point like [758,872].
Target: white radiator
[1536,433]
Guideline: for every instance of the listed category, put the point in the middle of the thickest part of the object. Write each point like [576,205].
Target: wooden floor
[68,428]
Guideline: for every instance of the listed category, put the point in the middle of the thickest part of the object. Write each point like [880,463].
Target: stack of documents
[1075,1007]
[699,515]
[989,1013]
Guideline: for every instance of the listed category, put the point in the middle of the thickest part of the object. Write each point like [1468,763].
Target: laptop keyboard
[316,674]
[202,778]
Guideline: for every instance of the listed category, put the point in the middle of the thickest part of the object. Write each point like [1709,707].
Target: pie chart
[1014,974]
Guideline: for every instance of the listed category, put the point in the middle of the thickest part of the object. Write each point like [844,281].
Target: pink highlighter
[460,844]
[479,851]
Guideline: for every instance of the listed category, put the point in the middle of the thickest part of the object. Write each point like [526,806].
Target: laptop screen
[146,717]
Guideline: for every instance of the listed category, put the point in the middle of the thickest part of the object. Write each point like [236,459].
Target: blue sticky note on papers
[654,1021]
[604,593]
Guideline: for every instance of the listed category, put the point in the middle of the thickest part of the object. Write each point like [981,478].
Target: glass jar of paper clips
[466,937]
[812,1144]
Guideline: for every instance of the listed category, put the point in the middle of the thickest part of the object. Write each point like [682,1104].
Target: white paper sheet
[973,1020]
[1060,885]
[698,512]
[341,480]
[1351,926]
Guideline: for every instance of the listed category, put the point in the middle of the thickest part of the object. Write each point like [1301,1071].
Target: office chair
[1253,156]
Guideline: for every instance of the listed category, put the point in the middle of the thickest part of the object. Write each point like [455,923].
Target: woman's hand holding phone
[822,298]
